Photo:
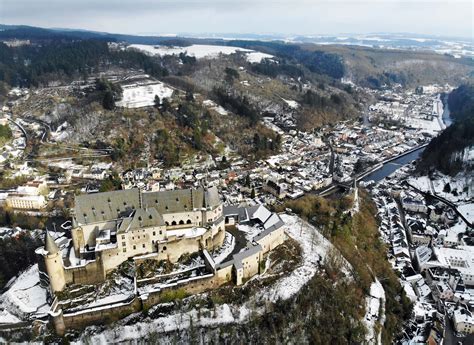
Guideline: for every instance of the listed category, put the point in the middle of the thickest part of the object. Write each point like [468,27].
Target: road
[444,201]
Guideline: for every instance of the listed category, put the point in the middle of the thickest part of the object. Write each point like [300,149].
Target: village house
[31,196]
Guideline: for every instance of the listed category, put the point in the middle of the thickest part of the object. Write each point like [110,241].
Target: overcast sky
[448,18]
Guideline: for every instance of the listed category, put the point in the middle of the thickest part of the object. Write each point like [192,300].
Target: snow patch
[136,95]
[199,51]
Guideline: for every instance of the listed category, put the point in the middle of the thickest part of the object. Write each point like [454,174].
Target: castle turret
[54,263]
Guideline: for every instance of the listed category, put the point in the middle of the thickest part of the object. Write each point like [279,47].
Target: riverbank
[390,165]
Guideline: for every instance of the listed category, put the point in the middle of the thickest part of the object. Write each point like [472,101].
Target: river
[390,167]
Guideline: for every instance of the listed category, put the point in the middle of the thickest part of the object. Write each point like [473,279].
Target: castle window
[134,247]
[161,232]
[181,222]
[123,237]
[150,216]
[133,237]
[143,245]
[124,250]
[177,199]
[154,233]
[140,218]
[164,248]
[108,200]
[167,224]
[173,222]
[123,244]
[188,221]
[156,201]
[166,207]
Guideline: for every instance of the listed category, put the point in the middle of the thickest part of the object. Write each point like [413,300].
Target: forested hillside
[446,152]
[40,64]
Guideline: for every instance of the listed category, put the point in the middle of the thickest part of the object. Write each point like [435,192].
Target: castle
[111,227]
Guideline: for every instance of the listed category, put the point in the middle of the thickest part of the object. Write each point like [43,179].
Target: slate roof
[269,230]
[50,245]
[99,207]
[141,218]
[249,251]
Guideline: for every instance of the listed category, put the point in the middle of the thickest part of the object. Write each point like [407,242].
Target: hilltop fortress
[167,226]
[109,228]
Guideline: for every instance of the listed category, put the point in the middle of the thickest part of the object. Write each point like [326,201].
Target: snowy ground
[292,104]
[219,109]
[250,231]
[256,57]
[430,126]
[227,248]
[468,211]
[136,96]
[462,183]
[373,301]
[314,246]
[200,51]
[25,297]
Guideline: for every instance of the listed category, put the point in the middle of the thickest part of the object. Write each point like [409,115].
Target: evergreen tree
[166,105]
[157,101]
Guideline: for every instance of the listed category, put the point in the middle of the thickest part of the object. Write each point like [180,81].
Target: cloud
[256,16]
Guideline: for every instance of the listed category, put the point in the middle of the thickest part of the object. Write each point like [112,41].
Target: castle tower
[54,264]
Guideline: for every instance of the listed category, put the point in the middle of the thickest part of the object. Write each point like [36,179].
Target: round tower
[53,261]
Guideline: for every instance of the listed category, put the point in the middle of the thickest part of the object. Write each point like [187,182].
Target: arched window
[188,221]
[173,222]
[181,222]
[167,224]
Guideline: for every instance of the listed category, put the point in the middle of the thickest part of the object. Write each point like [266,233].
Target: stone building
[111,227]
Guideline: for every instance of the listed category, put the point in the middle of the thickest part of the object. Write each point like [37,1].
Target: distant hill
[447,152]
[365,66]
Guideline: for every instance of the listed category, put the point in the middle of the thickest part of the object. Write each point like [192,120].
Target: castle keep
[109,228]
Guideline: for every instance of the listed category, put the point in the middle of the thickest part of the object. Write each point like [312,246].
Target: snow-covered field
[25,296]
[136,95]
[256,57]
[200,51]
[433,127]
